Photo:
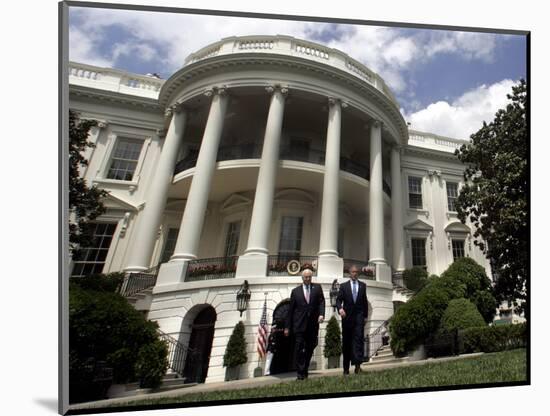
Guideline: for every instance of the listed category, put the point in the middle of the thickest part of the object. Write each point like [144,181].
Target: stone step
[390,360]
[384,354]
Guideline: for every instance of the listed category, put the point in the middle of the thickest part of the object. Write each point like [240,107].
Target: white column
[150,219]
[330,265]
[398,261]
[254,261]
[195,207]
[376,201]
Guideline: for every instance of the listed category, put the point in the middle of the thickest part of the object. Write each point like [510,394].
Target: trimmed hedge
[235,353]
[333,339]
[460,314]
[494,338]
[104,327]
[101,282]
[415,278]
[151,364]
[420,317]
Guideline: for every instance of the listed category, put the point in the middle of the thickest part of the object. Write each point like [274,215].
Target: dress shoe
[346,372]
[300,377]
[357,369]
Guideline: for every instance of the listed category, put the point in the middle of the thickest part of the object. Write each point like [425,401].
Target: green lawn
[506,366]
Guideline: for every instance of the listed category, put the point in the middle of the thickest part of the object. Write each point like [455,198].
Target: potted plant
[333,343]
[235,353]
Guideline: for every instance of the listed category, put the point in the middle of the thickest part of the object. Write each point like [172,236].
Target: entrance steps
[170,381]
[385,356]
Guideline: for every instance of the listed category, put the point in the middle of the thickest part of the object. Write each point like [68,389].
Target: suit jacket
[304,316]
[345,300]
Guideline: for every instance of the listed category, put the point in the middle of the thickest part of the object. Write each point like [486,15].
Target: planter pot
[333,362]
[258,372]
[232,373]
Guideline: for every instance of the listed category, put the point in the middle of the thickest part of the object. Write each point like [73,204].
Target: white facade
[251,133]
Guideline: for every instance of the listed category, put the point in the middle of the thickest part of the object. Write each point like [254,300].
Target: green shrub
[101,282]
[469,273]
[415,278]
[418,318]
[103,326]
[333,339]
[235,353]
[460,314]
[494,338]
[151,364]
[486,304]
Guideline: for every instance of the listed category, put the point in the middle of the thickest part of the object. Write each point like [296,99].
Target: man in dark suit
[353,308]
[306,312]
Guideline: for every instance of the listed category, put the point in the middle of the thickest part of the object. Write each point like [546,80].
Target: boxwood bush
[333,339]
[151,364]
[103,326]
[415,278]
[460,314]
[420,317]
[494,338]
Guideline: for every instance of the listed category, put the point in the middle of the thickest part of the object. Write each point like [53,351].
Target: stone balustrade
[432,141]
[287,45]
[114,80]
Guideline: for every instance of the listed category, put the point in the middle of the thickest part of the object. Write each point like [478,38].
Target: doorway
[283,358]
[200,345]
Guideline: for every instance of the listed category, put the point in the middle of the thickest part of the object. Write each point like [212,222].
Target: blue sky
[446,82]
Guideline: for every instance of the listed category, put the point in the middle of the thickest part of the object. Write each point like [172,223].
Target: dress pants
[353,343]
[305,343]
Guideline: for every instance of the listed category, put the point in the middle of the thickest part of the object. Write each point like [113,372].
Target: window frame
[453,211]
[115,135]
[107,259]
[421,180]
[424,241]
[463,241]
[303,220]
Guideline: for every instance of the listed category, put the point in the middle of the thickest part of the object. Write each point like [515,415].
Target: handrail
[177,353]
[374,340]
[139,281]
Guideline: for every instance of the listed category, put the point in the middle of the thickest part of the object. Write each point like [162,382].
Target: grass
[506,366]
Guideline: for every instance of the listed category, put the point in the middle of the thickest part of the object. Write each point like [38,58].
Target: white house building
[258,151]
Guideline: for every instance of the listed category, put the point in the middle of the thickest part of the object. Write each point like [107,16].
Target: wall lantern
[334,289]
[243,296]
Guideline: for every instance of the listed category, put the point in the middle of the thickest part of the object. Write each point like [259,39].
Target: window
[169,245]
[91,260]
[452,193]
[299,148]
[458,249]
[415,192]
[418,248]
[125,159]
[232,238]
[290,242]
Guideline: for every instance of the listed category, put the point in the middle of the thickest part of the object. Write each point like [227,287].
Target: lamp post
[243,296]
[334,289]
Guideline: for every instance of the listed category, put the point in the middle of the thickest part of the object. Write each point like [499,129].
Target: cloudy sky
[446,82]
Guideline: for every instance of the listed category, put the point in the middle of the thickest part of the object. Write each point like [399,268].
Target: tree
[235,353]
[333,339]
[84,202]
[494,198]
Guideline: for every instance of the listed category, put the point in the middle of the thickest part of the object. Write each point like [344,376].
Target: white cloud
[468,45]
[82,48]
[465,115]
[385,50]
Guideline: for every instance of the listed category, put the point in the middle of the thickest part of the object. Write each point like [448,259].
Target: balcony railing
[363,274]
[212,268]
[138,282]
[277,265]
[254,151]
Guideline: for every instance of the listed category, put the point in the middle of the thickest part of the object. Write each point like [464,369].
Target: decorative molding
[124,224]
[102,124]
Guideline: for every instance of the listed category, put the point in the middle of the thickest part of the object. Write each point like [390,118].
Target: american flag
[262,332]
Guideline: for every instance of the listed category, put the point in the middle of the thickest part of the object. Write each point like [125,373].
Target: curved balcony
[254,151]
